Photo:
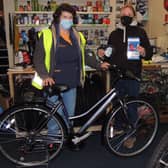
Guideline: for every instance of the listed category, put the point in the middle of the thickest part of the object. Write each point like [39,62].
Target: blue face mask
[66,24]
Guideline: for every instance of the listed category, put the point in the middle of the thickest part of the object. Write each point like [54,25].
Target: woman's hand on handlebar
[104,66]
[100,53]
[48,81]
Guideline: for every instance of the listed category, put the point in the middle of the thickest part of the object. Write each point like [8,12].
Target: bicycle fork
[125,109]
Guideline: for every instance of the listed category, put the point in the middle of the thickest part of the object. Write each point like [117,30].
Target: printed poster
[132,48]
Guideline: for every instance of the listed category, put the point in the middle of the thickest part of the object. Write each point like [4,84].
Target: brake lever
[123,73]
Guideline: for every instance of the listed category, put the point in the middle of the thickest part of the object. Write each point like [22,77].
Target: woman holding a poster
[131,45]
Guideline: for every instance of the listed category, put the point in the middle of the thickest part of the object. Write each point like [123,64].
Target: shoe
[75,147]
[130,142]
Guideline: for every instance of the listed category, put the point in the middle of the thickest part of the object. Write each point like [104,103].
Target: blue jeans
[130,88]
[69,100]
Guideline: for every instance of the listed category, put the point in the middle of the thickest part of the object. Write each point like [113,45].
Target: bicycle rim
[23,144]
[159,157]
[131,139]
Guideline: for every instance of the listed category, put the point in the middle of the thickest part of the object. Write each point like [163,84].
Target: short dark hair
[65,7]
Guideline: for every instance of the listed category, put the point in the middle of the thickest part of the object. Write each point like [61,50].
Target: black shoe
[75,147]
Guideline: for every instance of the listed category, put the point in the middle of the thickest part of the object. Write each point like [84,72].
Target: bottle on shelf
[106,5]
[16,5]
[29,7]
[99,6]
[35,5]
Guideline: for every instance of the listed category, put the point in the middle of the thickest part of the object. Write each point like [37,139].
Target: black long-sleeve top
[118,39]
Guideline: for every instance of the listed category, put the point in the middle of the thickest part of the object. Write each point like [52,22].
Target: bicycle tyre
[18,141]
[142,133]
[159,158]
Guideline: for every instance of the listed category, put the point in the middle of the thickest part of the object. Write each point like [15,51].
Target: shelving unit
[94,24]
[48,14]
[51,12]
[11,9]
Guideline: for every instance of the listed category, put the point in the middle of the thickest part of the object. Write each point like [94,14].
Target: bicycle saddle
[55,89]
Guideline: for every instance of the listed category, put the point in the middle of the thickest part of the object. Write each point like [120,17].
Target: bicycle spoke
[164,159]
[48,139]
[163,162]
[6,141]
[132,139]
[25,130]
[120,139]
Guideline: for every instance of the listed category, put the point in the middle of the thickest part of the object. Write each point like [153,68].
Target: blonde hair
[130,7]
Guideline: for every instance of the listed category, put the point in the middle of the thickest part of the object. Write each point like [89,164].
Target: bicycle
[30,139]
[159,157]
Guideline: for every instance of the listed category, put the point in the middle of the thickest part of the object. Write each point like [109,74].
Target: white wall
[156,28]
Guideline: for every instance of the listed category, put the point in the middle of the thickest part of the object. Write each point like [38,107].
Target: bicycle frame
[107,99]
[39,135]
[103,103]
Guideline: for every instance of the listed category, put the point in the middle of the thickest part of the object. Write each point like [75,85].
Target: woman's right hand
[104,66]
[48,81]
[100,52]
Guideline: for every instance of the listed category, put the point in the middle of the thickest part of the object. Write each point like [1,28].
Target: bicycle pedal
[78,139]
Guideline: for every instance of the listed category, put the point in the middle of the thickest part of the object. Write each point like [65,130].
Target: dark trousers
[128,88]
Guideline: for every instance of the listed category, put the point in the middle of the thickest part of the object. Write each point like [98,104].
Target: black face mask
[126,20]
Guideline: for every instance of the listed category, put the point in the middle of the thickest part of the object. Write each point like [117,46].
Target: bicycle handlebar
[123,73]
[132,76]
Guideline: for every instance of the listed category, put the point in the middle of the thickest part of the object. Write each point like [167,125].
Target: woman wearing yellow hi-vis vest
[60,56]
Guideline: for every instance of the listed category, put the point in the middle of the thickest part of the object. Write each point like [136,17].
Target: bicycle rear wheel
[131,139]
[159,157]
[25,138]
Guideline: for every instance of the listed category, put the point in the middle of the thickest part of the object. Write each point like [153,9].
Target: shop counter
[29,72]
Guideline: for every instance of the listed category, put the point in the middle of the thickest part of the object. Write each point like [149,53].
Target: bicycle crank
[77,139]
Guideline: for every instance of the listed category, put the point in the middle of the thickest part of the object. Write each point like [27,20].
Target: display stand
[155,83]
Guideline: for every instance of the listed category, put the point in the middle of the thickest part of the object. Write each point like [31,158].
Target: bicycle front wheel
[131,138]
[25,136]
[159,158]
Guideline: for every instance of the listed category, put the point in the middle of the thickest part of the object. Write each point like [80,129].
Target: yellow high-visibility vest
[47,42]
